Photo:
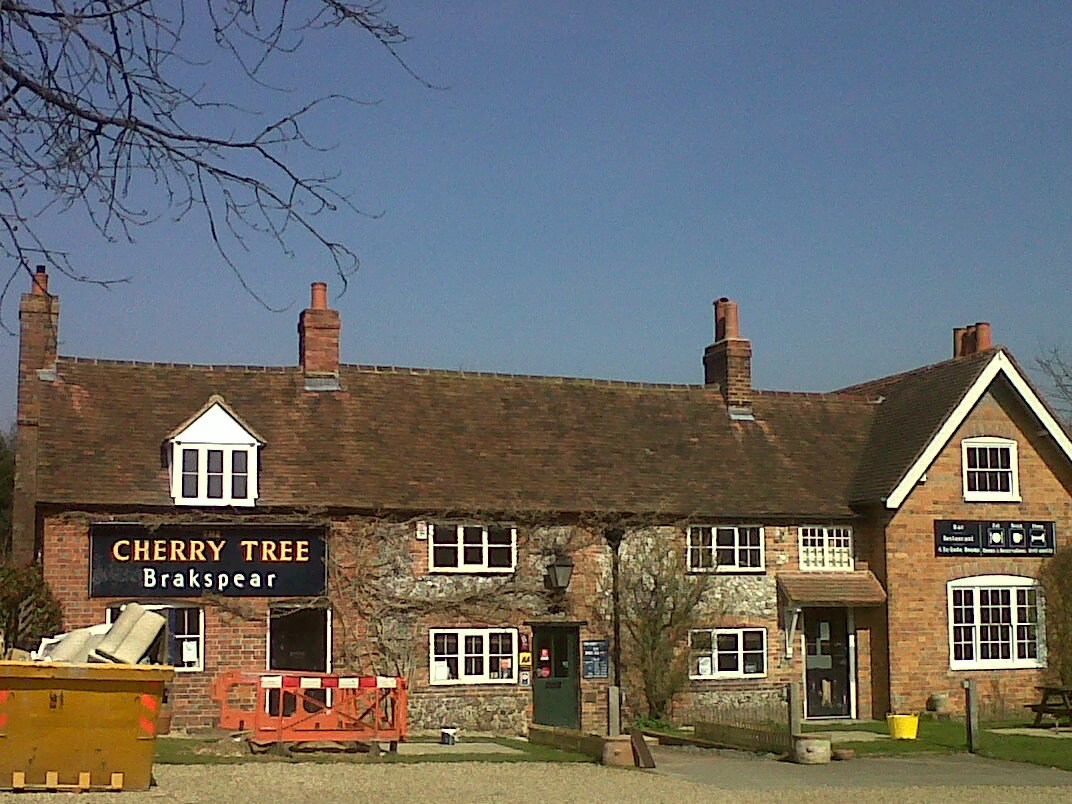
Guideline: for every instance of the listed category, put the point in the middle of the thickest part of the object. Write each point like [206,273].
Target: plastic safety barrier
[294,707]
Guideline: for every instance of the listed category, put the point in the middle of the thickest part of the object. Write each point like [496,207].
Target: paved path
[740,771]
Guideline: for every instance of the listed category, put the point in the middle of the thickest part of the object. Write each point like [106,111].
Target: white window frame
[712,657]
[835,557]
[463,677]
[990,442]
[198,639]
[202,451]
[694,548]
[459,544]
[1014,584]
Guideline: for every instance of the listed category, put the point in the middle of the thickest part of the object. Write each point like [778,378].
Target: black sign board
[180,561]
[594,653]
[990,538]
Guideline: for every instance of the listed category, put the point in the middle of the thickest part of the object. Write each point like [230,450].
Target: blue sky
[861,178]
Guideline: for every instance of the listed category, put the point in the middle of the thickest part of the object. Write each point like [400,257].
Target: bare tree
[103,108]
[661,603]
[1058,373]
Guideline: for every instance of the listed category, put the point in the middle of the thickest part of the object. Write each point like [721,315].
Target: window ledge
[730,677]
[828,569]
[213,502]
[1000,664]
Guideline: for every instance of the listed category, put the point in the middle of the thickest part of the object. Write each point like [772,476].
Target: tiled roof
[859,588]
[425,440]
[452,441]
[913,407]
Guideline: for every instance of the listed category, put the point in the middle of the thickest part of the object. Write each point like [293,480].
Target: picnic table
[1056,702]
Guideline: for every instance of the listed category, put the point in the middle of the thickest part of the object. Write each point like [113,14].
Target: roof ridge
[368,368]
[839,395]
[919,370]
[555,378]
[101,361]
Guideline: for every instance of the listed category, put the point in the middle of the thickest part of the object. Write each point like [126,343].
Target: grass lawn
[212,751]
[951,736]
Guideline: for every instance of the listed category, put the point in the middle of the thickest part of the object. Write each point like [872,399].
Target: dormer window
[990,470]
[214,459]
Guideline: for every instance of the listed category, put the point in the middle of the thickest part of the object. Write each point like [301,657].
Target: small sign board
[594,655]
[957,538]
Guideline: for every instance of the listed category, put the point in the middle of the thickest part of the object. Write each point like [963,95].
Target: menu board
[994,538]
[594,653]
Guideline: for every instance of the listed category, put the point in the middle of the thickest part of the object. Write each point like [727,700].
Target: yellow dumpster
[79,726]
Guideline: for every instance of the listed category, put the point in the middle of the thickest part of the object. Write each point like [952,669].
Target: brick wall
[916,578]
[236,631]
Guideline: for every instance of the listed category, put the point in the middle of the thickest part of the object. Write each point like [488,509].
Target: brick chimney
[318,341]
[39,317]
[728,361]
[971,339]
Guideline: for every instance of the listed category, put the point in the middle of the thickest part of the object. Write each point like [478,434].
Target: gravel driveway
[493,782]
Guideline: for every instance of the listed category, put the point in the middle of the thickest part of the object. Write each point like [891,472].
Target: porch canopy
[830,589]
[798,590]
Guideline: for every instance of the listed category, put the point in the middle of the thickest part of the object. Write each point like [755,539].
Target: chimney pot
[972,339]
[959,334]
[40,281]
[727,322]
[320,296]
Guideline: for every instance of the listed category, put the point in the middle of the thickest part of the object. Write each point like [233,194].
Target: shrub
[1056,577]
[28,609]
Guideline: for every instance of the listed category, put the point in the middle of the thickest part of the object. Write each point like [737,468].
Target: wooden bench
[1054,710]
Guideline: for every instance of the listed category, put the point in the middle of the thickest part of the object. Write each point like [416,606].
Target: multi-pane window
[728,653]
[826,548]
[725,549]
[185,635]
[460,547]
[995,622]
[990,470]
[473,656]
[214,475]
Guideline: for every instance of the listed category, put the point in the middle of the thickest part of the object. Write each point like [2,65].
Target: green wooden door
[556,671]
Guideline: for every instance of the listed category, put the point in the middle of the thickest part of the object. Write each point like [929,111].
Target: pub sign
[189,561]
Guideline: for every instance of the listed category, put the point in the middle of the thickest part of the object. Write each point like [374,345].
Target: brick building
[879,543]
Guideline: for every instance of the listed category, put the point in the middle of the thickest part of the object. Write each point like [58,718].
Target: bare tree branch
[1058,372]
[99,113]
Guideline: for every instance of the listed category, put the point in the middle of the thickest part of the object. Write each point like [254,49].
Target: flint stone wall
[499,713]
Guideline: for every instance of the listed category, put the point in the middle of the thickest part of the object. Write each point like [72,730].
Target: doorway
[556,676]
[827,665]
[298,639]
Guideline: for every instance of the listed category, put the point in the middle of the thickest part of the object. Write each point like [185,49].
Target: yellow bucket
[903,727]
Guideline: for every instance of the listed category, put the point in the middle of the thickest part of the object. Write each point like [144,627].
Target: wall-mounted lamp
[559,573]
